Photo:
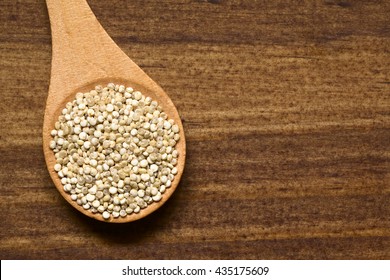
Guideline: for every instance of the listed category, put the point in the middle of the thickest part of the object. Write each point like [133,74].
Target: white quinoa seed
[115,150]
[113,190]
[90,197]
[57,167]
[143,163]
[96,204]
[157,197]
[106,215]
[154,168]
[133,192]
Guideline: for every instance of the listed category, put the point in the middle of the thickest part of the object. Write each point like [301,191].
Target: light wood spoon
[83,56]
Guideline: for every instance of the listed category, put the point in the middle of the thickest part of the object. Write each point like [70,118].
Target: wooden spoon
[83,56]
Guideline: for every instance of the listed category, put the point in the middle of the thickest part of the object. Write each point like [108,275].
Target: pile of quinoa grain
[115,150]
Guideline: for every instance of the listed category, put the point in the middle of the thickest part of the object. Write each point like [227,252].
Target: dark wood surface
[286,110]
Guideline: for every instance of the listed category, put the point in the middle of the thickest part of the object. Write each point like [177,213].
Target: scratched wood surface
[286,110]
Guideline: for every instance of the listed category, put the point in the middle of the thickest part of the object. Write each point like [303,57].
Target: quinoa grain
[115,150]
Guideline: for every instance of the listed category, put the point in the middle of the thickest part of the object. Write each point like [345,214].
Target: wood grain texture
[286,109]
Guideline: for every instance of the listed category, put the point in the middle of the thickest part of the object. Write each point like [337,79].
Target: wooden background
[286,109]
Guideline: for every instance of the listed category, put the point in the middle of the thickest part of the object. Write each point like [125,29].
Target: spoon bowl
[84,56]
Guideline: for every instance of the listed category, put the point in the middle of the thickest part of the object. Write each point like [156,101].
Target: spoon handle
[81,48]
[71,17]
